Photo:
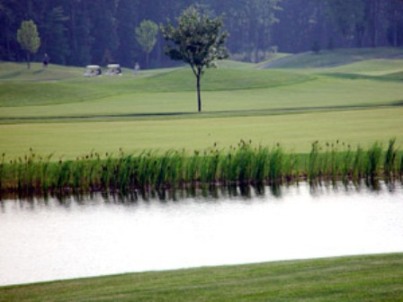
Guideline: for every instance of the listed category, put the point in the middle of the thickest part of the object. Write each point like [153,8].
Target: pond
[50,239]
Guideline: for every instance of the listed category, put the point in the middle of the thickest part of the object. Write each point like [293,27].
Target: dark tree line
[80,32]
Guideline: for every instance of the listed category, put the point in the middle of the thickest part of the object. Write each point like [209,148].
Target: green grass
[59,111]
[295,132]
[14,93]
[364,278]
[337,57]
[373,67]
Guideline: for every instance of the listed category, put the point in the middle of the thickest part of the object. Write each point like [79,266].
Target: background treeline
[80,32]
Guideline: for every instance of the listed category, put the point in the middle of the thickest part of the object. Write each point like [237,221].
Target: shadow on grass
[10,75]
[206,114]
[391,77]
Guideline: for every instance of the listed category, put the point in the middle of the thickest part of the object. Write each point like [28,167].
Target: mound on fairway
[19,72]
[330,58]
[219,80]
[18,87]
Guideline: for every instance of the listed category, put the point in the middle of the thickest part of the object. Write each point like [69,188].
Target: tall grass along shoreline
[241,165]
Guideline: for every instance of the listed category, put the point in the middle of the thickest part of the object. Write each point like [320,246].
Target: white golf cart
[113,69]
[92,71]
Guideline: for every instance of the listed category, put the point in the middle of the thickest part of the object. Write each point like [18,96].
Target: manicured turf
[365,278]
[295,132]
[337,57]
[59,111]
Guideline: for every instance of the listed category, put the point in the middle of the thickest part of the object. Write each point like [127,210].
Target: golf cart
[92,71]
[113,69]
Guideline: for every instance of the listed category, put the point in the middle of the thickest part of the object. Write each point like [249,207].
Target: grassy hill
[22,87]
[365,278]
[358,101]
[332,58]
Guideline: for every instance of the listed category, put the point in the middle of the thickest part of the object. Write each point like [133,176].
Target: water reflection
[212,192]
[76,236]
[216,192]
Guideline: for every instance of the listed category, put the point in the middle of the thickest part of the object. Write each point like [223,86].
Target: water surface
[47,240]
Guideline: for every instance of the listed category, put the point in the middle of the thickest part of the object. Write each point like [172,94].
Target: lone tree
[146,36]
[197,40]
[28,38]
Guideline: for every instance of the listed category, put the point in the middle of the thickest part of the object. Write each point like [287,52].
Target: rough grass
[361,278]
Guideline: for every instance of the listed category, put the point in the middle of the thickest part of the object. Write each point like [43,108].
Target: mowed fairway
[58,111]
[293,131]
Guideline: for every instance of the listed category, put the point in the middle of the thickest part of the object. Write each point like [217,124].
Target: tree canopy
[28,38]
[197,40]
[77,32]
[146,36]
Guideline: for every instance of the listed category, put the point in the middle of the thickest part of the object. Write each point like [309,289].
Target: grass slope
[16,91]
[337,57]
[366,278]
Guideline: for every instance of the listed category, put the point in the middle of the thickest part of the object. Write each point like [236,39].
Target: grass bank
[360,278]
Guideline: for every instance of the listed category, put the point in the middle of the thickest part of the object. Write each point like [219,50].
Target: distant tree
[127,12]
[146,36]
[28,38]
[79,33]
[102,29]
[197,40]
[349,18]
[54,39]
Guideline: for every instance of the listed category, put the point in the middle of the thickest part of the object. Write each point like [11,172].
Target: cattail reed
[242,165]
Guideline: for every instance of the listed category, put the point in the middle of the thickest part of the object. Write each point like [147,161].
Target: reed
[313,169]
[276,165]
[192,168]
[390,163]
[62,176]
[244,161]
[347,164]
[374,154]
[260,169]
[401,167]
[241,165]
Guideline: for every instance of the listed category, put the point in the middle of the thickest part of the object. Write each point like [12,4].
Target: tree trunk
[396,18]
[28,60]
[198,76]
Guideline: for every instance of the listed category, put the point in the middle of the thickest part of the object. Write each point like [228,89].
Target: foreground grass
[361,278]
